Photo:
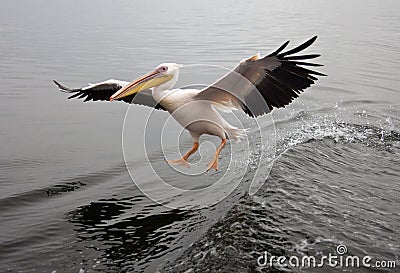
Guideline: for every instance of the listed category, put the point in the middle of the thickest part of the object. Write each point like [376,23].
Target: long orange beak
[137,85]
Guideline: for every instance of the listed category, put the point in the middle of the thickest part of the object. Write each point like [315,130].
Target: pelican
[255,86]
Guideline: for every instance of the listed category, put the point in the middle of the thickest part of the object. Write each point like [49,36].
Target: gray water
[67,201]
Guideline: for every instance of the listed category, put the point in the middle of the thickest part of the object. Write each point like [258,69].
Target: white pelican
[255,86]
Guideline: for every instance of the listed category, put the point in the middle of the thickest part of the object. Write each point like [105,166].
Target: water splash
[331,127]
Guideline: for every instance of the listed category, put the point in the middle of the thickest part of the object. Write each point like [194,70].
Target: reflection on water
[129,238]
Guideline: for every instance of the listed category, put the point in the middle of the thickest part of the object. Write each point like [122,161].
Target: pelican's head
[165,76]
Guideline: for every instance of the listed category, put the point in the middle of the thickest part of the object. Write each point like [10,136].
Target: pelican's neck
[159,92]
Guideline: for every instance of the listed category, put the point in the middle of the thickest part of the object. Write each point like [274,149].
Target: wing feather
[104,90]
[258,85]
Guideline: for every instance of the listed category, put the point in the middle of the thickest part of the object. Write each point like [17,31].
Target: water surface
[67,200]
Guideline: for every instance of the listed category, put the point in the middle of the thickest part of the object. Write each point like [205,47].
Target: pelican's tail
[235,134]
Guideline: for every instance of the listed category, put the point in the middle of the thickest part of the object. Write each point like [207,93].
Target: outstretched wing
[257,85]
[104,90]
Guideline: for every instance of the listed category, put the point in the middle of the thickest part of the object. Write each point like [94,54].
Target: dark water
[67,201]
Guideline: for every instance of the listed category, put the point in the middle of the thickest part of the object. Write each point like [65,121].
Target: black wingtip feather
[302,57]
[60,86]
[65,89]
[300,47]
[282,47]
[305,63]
[75,95]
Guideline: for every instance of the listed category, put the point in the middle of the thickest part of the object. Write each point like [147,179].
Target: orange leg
[214,163]
[183,161]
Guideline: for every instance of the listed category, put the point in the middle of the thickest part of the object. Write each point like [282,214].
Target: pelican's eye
[163,68]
